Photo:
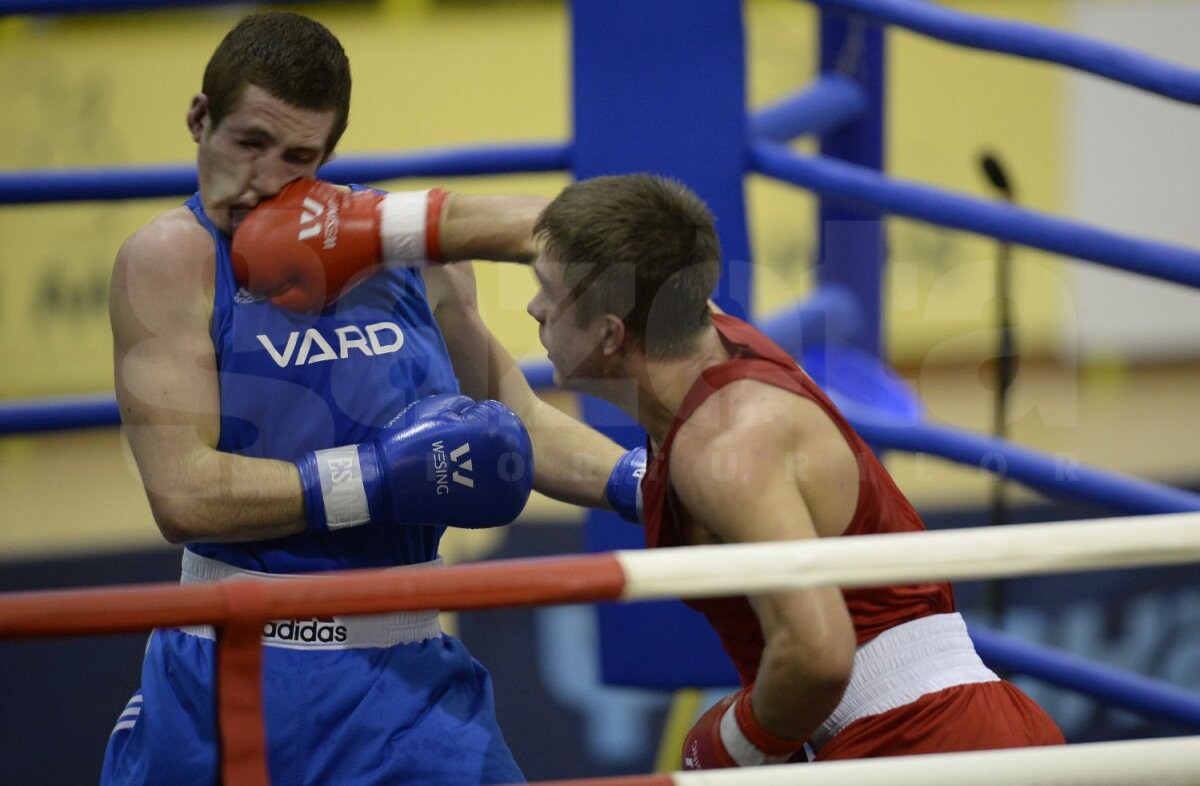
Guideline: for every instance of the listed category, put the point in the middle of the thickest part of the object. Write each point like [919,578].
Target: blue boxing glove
[624,489]
[445,460]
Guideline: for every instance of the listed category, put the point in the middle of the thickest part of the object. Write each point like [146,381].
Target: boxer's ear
[614,334]
[196,115]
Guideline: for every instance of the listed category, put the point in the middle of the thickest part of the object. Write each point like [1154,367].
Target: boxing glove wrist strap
[337,484]
[624,488]
[747,742]
[409,226]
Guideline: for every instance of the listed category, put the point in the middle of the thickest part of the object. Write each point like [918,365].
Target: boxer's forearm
[489,227]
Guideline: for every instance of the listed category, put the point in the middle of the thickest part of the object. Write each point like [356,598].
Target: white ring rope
[902,558]
[1171,761]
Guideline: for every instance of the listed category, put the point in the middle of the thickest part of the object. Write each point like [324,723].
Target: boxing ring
[841,108]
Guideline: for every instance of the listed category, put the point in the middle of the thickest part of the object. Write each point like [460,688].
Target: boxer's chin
[236,216]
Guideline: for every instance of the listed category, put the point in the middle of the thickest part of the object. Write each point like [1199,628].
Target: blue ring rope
[831,101]
[1036,470]
[58,414]
[1031,41]
[113,183]
[826,313]
[1118,687]
[1020,39]
[825,176]
[860,185]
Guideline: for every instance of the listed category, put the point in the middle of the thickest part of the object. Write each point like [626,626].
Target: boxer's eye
[303,159]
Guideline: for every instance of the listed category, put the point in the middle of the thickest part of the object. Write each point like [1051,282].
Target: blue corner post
[852,242]
[661,87]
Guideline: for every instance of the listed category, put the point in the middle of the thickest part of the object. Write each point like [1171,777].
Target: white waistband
[902,664]
[327,633]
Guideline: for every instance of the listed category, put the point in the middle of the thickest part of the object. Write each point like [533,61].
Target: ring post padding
[851,249]
[660,87]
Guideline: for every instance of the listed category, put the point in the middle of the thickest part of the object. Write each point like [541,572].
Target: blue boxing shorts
[382,699]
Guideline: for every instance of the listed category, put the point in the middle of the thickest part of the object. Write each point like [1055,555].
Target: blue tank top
[292,383]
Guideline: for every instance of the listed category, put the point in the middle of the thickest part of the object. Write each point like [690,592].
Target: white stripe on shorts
[122,725]
[902,664]
[331,633]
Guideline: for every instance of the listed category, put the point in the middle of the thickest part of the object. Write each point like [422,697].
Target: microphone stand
[1005,369]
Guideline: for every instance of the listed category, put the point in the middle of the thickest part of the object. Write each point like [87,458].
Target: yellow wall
[113,90]
[110,90]
[946,106]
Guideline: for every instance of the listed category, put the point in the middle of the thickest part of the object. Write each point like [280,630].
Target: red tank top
[881,506]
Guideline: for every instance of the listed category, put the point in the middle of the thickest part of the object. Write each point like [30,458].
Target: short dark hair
[292,57]
[642,247]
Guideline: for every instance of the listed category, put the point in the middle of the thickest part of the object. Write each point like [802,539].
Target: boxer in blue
[342,422]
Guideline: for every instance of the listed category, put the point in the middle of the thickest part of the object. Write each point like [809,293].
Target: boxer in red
[745,447]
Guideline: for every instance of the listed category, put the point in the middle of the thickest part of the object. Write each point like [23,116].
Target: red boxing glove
[306,245]
[728,735]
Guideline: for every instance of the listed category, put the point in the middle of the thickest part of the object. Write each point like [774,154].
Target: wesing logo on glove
[691,757]
[311,223]
[441,467]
